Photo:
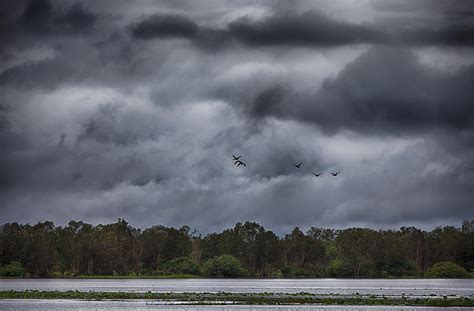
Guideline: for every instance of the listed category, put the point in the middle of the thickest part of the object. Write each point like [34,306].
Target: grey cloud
[384,90]
[41,16]
[314,28]
[448,9]
[310,28]
[46,73]
[105,124]
[158,26]
[457,34]
[423,22]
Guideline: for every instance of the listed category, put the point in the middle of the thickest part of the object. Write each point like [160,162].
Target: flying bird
[298,165]
[239,163]
[335,174]
[236,158]
[317,175]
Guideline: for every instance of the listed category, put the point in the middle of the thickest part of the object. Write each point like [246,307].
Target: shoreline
[302,298]
[189,276]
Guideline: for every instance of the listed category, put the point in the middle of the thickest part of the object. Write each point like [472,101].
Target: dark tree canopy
[247,249]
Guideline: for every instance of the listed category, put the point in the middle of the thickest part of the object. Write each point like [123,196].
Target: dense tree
[224,266]
[40,251]
[358,249]
[13,269]
[182,265]
[446,269]
[161,244]
[303,255]
[44,250]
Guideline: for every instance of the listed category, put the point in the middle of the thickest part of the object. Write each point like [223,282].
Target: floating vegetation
[242,298]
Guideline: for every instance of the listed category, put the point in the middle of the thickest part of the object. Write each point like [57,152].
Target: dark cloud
[452,9]
[76,20]
[47,73]
[384,90]
[423,22]
[310,28]
[159,26]
[40,16]
[102,116]
[457,34]
[268,100]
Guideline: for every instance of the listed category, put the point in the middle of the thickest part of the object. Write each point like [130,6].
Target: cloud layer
[120,110]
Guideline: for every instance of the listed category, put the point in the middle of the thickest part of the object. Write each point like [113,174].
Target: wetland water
[345,287]
[388,287]
[34,304]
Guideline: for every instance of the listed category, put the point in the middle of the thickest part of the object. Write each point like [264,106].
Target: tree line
[247,249]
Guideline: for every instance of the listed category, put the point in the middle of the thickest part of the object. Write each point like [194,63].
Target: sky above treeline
[133,109]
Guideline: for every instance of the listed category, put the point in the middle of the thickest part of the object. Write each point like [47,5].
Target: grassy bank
[244,298]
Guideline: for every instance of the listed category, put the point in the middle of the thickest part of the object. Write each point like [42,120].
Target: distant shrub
[157,272]
[182,265]
[14,269]
[294,272]
[224,266]
[398,268]
[57,274]
[446,269]
[337,268]
[276,274]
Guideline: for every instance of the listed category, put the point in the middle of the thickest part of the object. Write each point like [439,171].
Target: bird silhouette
[239,163]
[335,174]
[317,175]
[236,158]
[298,165]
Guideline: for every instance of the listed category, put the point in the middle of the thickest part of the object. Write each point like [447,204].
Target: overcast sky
[133,109]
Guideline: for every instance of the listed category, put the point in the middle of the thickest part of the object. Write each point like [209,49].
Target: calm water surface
[144,305]
[413,288]
[418,287]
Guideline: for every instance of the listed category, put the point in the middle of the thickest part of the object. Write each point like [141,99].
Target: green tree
[225,266]
[182,265]
[358,248]
[79,248]
[161,244]
[337,268]
[13,269]
[40,249]
[446,269]
[303,255]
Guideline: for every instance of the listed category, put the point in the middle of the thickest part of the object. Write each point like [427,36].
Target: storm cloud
[309,28]
[158,26]
[134,110]
[383,90]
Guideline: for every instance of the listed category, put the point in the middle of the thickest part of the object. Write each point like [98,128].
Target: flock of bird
[239,162]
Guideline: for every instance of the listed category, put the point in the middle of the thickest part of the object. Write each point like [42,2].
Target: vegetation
[245,298]
[182,265]
[224,266]
[14,269]
[120,250]
[446,269]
